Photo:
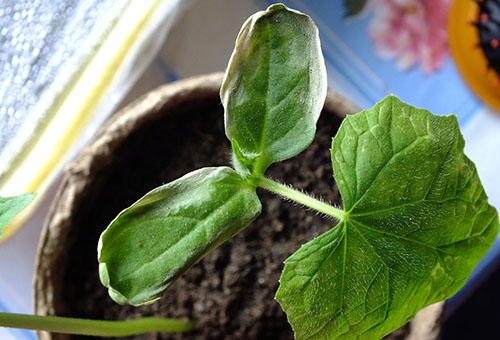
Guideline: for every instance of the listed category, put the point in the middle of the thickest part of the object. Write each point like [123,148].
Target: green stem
[94,327]
[299,197]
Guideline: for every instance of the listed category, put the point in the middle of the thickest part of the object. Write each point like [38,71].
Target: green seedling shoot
[415,219]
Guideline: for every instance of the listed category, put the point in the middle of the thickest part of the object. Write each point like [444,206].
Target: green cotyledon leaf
[274,88]
[11,206]
[171,228]
[417,221]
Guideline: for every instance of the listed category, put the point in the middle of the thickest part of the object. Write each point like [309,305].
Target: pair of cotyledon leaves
[416,218]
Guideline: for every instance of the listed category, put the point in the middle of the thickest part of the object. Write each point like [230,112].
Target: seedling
[415,218]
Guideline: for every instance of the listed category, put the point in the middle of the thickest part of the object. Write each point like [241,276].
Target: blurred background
[65,66]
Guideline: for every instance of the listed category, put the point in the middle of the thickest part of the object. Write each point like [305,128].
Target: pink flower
[411,31]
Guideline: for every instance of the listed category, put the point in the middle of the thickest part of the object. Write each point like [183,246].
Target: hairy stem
[94,327]
[299,197]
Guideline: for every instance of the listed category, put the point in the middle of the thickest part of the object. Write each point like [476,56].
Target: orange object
[469,53]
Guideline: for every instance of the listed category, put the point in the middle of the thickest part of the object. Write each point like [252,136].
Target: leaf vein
[324,260]
[382,169]
[396,207]
[443,161]
[435,248]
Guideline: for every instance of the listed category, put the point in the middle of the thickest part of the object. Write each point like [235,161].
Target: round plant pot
[173,130]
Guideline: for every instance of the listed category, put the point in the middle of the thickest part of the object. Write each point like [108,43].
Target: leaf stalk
[299,197]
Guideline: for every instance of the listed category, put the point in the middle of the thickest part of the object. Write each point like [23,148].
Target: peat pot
[173,130]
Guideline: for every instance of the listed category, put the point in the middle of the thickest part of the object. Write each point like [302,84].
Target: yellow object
[36,166]
[469,57]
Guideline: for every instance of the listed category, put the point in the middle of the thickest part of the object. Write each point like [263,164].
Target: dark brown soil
[230,294]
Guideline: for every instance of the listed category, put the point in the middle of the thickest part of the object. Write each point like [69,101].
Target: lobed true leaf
[417,221]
